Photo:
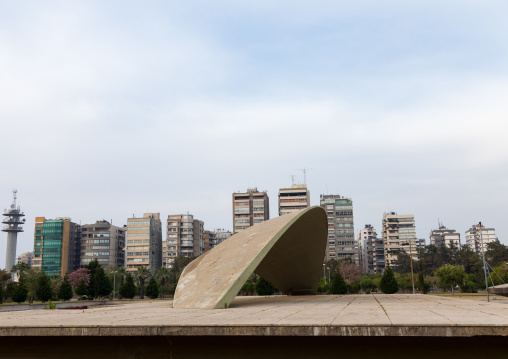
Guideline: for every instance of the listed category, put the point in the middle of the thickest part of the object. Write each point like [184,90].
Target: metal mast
[13,226]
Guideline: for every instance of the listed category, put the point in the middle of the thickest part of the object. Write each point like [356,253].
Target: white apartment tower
[444,237]
[371,250]
[476,234]
[399,233]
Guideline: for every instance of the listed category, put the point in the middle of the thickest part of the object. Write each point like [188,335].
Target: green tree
[128,289]
[450,276]
[82,288]
[496,253]
[152,289]
[388,283]
[142,274]
[93,287]
[103,283]
[65,290]
[338,284]
[44,291]
[263,287]
[31,279]
[367,284]
[20,293]
[422,285]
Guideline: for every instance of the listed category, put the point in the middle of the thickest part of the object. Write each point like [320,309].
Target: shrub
[152,289]
[43,291]
[82,288]
[388,284]
[20,293]
[338,285]
[65,291]
[128,289]
[263,287]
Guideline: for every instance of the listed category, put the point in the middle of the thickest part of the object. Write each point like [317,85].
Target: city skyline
[399,106]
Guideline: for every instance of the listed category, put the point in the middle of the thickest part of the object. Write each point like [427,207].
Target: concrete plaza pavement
[336,320]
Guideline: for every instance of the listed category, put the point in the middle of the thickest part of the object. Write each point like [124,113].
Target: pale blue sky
[115,108]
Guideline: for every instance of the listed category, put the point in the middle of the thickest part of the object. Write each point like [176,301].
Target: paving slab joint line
[384,310]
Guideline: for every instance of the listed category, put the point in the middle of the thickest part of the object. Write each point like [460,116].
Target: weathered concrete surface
[279,316]
[61,305]
[499,290]
[287,251]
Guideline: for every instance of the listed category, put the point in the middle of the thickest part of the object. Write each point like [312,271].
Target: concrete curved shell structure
[287,251]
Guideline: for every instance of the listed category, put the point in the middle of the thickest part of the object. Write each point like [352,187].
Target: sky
[113,109]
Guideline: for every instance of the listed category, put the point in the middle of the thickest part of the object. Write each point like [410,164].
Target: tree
[424,287]
[367,284]
[142,274]
[350,272]
[93,284]
[388,283]
[102,282]
[65,290]
[31,279]
[1,292]
[82,288]
[496,253]
[43,291]
[451,275]
[338,284]
[20,293]
[76,277]
[263,287]
[152,289]
[128,289]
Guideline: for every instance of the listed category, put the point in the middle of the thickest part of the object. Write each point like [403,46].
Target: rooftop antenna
[304,170]
[292,179]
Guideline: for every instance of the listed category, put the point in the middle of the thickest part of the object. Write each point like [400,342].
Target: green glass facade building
[56,246]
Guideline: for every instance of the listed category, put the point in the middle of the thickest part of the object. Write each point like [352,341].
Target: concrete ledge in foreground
[309,316]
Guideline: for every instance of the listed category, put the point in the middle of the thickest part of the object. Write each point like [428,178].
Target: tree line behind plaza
[439,268]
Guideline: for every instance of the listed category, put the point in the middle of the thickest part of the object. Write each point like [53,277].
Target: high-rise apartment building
[341,233]
[104,242]
[444,237]
[144,242]
[57,246]
[185,237]
[293,199]
[249,208]
[476,234]
[399,233]
[209,239]
[371,250]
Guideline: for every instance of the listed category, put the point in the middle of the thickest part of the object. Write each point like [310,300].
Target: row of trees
[92,281]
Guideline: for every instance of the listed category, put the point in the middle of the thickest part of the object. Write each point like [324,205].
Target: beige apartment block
[444,236]
[104,242]
[341,232]
[185,237]
[293,199]
[144,242]
[476,234]
[399,233]
[25,258]
[249,208]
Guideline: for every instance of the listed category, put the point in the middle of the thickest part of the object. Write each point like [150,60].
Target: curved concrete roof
[287,251]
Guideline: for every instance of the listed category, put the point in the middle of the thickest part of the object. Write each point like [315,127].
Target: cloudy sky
[115,108]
